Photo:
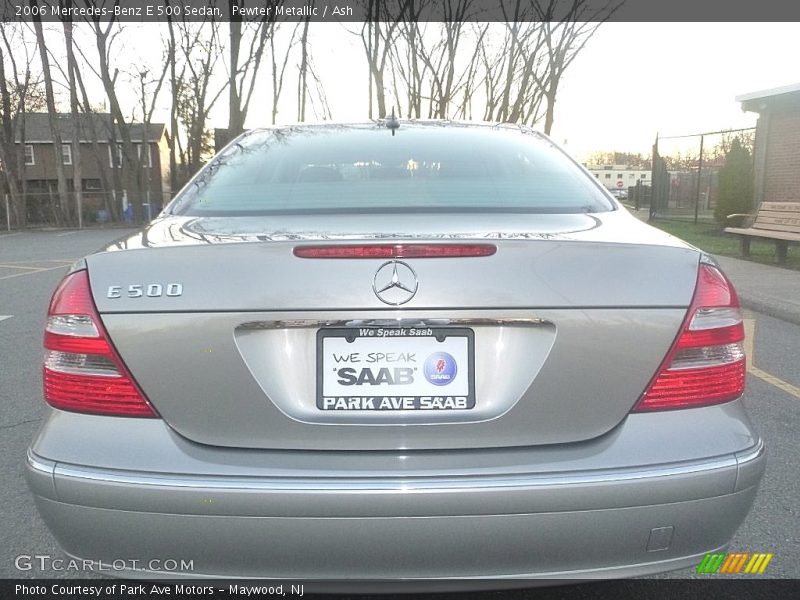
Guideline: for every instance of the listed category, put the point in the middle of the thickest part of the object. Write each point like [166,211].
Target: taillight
[396,251]
[82,371]
[706,364]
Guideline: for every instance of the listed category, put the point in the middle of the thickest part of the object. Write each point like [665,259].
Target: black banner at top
[154,11]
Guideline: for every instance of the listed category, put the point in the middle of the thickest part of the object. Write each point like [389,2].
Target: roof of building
[760,100]
[37,128]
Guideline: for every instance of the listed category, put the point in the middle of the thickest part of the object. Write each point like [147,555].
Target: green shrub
[735,183]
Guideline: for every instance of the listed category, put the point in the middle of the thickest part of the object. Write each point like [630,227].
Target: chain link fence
[686,172]
[48,209]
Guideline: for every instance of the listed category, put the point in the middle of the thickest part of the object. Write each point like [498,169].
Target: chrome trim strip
[750,466]
[40,475]
[400,322]
[752,454]
[387,484]
[39,464]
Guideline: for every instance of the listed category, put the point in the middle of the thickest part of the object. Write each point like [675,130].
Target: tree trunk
[55,134]
[77,165]
[551,107]
[110,188]
[173,109]
[502,113]
[302,84]
[132,173]
[8,151]
[235,117]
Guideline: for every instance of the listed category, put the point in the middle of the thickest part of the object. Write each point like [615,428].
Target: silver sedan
[428,351]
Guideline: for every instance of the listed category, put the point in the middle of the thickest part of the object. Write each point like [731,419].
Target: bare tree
[472,78]
[104,34]
[447,81]
[492,67]
[235,119]
[302,76]
[518,64]
[242,75]
[175,82]
[308,79]
[434,71]
[565,35]
[509,66]
[407,68]
[541,40]
[55,132]
[8,151]
[378,36]
[113,188]
[19,93]
[77,164]
[200,49]
[320,108]
[278,71]
[148,96]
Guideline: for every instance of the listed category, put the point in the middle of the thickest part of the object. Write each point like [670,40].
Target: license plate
[395,369]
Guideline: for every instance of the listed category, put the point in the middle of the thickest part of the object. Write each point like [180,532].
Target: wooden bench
[779,221]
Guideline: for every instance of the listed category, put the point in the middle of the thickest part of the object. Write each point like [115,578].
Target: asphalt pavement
[32,263]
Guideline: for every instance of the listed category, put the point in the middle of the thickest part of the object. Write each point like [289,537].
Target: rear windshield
[332,169]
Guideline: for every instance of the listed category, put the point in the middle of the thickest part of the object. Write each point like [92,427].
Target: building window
[30,159]
[631,176]
[66,154]
[643,176]
[597,175]
[619,175]
[115,158]
[608,175]
[92,185]
[148,162]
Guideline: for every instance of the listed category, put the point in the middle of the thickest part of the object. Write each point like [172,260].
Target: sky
[632,81]
[638,79]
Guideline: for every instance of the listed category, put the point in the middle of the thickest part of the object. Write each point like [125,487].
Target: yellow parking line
[790,389]
[14,263]
[32,272]
[12,266]
[749,337]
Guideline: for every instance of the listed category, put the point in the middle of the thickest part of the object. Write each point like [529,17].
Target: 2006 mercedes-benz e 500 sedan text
[421,350]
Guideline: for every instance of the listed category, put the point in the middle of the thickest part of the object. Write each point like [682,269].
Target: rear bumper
[567,545]
[537,525]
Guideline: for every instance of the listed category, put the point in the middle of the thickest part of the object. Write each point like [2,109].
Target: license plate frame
[458,350]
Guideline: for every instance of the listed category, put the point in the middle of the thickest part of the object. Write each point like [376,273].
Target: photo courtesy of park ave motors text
[357,296]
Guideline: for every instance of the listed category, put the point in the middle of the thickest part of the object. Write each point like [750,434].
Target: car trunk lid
[562,328]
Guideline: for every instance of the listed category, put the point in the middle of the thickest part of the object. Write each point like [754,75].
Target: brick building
[777,146]
[98,163]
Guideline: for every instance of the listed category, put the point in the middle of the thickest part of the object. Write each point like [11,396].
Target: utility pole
[699,171]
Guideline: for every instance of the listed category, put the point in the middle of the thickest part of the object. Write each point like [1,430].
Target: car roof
[407,124]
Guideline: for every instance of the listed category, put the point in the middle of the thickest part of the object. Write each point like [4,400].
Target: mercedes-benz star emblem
[395,283]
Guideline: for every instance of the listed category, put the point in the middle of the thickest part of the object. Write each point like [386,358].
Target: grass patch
[710,237]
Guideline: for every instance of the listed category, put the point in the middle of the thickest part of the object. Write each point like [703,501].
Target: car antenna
[392,123]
